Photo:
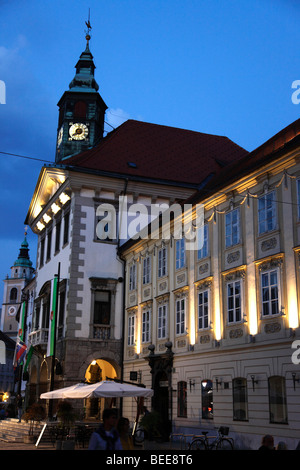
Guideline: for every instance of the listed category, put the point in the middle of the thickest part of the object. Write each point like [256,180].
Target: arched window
[240,399]
[181,399]
[13,294]
[277,400]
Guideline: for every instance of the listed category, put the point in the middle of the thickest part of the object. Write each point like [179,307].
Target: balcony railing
[101,332]
[39,336]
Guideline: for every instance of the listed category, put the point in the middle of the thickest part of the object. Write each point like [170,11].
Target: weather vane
[88,36]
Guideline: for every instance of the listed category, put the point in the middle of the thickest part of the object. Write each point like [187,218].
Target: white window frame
[263,215]
[269,288]
[180,306]
[147,270]
[180,253]
[132,277]
[146,326]
[162,321]
[162,261]
[131,330]
[204,305]
[204,251]
[232,228]
[234,297]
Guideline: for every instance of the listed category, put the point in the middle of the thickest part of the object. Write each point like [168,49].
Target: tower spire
[87,33]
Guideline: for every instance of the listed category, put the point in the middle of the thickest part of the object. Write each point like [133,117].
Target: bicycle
[221,442]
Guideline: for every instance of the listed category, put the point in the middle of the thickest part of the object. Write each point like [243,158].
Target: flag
[28,357]
[52,318]
[20,351]
[22,321]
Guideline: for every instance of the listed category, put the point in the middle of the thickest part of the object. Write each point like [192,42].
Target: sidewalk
[48,446]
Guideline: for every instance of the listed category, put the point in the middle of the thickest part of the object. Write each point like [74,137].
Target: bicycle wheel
[224,444]
[139,436]
[197,444]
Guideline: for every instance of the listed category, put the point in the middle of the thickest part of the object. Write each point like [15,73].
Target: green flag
[28,358]
[52,332]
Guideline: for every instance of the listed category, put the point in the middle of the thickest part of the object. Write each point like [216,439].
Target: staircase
[13,431]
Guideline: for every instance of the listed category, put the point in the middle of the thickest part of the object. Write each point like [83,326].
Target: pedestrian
[123,430]
[267,443]
[281,446]
[2,412]
[19,406]
[106,437]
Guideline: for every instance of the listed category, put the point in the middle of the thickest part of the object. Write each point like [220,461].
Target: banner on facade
[52,317]
[28,358]
[20,352]
[22,321]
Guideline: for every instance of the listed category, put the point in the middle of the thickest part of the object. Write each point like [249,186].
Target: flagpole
[54,344]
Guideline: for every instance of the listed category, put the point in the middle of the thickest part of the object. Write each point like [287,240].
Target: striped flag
[52,318]
[20,352]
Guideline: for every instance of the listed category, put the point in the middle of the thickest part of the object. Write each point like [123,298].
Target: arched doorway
[98,370]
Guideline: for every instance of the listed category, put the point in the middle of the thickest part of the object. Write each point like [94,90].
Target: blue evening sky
[222,67]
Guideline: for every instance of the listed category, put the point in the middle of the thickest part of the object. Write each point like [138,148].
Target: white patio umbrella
[105,389]
[61,392]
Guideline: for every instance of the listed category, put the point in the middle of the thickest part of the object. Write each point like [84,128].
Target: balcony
[101,332]
[39,337]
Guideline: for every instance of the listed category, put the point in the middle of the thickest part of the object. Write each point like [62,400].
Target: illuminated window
[203,309]
[232,228]
[132,277]
[267,213]
[180,316]
[180,253]
[146,270]
[131,330]
[240,399]
[207,399]
[277,400]
[162,262]
[270,293]
[234,300]
[203,242]
[162,321]
[146,316]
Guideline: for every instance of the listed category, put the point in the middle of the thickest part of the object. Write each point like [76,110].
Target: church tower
[21,273]
[81,109]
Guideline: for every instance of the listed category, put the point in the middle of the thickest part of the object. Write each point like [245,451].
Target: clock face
[11,311]
[60,136]
[78,131]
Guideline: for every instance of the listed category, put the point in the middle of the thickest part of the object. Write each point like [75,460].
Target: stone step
[12,430]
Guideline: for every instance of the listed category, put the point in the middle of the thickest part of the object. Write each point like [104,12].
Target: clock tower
[21,274]
[81,110]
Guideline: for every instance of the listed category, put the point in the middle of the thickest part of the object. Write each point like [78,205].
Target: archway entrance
[98,370]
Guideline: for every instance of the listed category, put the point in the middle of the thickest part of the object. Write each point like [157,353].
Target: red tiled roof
[160,152]
[258,157]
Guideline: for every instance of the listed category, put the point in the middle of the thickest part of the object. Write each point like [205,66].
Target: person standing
[267,443]
[106,437]
[19,407]
[123,430]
